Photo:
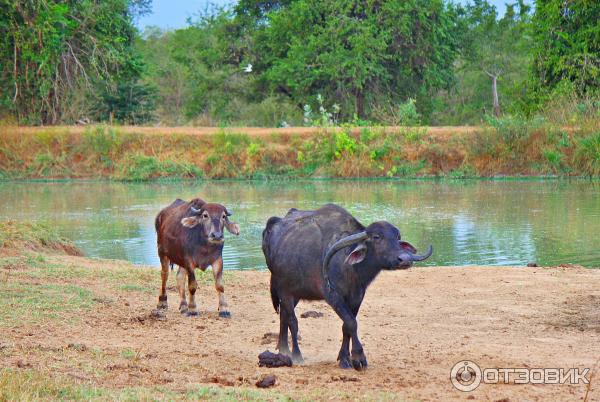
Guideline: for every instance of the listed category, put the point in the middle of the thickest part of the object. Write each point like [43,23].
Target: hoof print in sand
[158,314]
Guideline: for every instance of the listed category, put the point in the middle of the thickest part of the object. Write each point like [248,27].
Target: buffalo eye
[224,216]
[376,237]
[205,215]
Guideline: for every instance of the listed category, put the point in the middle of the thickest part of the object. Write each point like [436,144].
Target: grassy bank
[510,147]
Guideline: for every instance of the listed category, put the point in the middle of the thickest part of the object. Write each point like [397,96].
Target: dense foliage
[55,55]
[567,38]
[294,62]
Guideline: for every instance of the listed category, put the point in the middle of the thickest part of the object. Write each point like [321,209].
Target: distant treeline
[301,62]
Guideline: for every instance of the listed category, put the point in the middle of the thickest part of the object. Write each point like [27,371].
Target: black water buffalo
[301,251]
[190,234]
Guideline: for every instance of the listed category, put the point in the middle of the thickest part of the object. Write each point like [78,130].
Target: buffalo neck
[366,271]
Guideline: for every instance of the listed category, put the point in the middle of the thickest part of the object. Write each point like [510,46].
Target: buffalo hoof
[345,363]
[359,362]
[162,305]
[183,308]
[224,314]
[192,313]
[297,358]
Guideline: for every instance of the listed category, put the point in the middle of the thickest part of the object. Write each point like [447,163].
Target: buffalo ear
[408,247]
[233,228]
[227,213]
[190,221]
[357,254]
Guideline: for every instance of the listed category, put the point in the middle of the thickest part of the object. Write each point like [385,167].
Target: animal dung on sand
[267,381]
[270,359]
[311,314]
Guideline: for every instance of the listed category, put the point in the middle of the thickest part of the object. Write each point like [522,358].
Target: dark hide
[295,249]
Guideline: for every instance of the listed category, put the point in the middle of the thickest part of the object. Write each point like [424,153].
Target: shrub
[510,128]
[414,134]
[252,149]
[101,140]
[587,154]
[406,169]
[464,172]
[229,143]
[47,164]
[407,113]
[142,167]
[273,111]
[483,142]
[343,143]
[403,114]
[554,158]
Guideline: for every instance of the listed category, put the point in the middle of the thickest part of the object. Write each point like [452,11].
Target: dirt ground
[415,325]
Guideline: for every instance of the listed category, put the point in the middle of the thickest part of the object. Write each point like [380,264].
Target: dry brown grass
[141,153]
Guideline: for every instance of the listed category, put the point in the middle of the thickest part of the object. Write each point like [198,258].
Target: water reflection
[471,222]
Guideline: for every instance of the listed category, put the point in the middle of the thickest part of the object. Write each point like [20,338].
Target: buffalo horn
[341,243]
[415,257]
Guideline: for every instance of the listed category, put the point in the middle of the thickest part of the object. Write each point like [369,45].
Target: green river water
[467,222]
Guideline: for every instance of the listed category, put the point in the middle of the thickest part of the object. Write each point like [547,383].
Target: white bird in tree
[248,68]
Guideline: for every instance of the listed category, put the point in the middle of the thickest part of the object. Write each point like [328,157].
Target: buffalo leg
[181,276]
[217,268]
[192,286]
[288,305]
[344,354]
[350,330]
[164,276]
[282,345]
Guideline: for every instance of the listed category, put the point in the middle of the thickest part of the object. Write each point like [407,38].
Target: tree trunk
[495,95]
[360,103]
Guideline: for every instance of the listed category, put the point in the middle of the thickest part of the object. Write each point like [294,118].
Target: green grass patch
[30,385]
[132,287]
[29,235]
[139,167]
[35,303]
[233,394]
[230,144]
[587,154]
[129,354]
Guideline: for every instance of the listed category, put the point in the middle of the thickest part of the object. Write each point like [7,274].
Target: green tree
[499,46]
[567,38]
[171,78]
[129,102]
[358,53]
[51,50]
[493,67]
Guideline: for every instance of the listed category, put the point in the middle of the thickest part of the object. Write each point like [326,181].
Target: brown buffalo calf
[190,234]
